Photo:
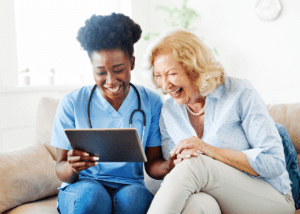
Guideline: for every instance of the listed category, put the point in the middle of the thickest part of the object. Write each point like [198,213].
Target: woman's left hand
[192,143]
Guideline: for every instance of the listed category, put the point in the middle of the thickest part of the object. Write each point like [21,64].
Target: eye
[157,76]
[101,73]
[118,71]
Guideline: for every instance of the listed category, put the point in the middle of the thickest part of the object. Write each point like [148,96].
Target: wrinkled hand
[79,160]
[194,144]
[186,154]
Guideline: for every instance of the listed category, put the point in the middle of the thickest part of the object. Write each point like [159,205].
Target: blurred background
[256,40]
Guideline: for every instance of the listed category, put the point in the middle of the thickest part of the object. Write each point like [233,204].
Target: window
[46,37]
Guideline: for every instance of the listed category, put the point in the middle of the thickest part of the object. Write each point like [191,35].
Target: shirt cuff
[252,155]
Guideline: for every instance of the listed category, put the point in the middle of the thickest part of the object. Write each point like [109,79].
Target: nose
[110,78]
[165,83]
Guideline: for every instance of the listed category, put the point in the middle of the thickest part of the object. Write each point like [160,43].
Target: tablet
[110,145]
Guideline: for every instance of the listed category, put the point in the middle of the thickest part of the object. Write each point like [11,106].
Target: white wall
[266,53]
[263,52]
[8,51]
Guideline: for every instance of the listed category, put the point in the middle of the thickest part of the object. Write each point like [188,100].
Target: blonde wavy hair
[204,71]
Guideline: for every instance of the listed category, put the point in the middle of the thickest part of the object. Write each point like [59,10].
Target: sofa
[28,182]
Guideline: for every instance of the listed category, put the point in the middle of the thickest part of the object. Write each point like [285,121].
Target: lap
[132,199]
[235,191]
[89,194]
[84,196]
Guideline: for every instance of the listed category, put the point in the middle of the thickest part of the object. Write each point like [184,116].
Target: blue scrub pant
[93,196]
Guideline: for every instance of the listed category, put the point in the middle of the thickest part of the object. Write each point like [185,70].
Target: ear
[132,62]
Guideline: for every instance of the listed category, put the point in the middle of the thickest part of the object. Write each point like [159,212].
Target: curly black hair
[109,32]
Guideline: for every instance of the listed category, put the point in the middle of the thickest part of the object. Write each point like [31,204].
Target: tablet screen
[110,145]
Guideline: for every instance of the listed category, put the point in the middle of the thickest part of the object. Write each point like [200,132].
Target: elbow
[274,170]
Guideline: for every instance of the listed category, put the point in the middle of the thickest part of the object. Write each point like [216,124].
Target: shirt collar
[217,93]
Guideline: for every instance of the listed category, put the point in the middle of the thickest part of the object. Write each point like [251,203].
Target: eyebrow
[112,66]
[168,71]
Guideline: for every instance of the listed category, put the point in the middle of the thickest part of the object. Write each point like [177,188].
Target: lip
[176,93]
[173,92]
[115,89]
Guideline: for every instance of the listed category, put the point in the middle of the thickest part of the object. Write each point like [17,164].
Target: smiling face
[111,69]
[172,78]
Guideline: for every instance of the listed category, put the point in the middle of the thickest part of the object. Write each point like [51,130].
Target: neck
[197,105]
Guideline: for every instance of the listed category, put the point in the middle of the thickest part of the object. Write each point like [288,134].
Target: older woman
[89,185]
[241,166]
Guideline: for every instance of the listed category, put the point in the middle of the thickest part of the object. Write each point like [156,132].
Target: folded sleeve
[266,155]
[64,119]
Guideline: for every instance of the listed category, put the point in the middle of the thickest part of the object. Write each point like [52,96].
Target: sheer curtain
[46,38]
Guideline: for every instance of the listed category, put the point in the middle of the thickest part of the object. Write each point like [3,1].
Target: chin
[181,101]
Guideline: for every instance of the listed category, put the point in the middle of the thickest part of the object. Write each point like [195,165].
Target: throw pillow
[27,174]
[291,162]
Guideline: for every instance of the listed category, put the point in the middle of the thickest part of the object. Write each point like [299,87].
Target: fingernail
[86,154]
[95,158]
[188,156]
[196,154]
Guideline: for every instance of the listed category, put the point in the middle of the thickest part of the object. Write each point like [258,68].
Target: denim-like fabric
[91,196]
[291,162]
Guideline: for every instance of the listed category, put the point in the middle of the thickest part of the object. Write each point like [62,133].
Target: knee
[186,167]
[201,203]
[132,199]
[95,197]
[86,196]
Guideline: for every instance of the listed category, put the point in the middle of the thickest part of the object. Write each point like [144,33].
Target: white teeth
[173,92]
[114,89]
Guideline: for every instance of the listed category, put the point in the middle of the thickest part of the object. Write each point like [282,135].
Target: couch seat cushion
[44,206]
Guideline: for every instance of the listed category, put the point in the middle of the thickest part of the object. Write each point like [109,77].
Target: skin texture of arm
[230,157]
[70,163]
[156,166]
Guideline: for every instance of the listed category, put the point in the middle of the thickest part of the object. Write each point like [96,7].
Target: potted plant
[26,76]
[181,17]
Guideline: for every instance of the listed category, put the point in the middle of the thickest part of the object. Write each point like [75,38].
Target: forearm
[65,173]
[233,158]
[159,168]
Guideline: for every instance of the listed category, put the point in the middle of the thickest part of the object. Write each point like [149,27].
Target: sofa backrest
[286,114]
[44,122]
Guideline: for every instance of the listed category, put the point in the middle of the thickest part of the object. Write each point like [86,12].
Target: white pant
[205,185]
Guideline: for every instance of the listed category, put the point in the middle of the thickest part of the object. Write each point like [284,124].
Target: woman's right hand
[80,160]
[185,154]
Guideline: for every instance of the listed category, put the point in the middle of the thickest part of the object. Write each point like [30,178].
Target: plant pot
[26,80]
[51,80]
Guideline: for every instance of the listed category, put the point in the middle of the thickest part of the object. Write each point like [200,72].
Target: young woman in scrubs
[90,186]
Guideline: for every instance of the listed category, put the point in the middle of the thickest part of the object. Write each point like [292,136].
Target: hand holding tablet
[110,145]
[80,160]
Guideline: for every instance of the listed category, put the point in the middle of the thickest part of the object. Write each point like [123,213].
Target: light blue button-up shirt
[235,118]
[72,114]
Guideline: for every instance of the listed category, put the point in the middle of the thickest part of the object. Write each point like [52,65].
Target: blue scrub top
[72,114]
